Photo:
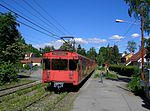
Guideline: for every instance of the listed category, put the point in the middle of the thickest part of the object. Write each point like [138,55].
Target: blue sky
[91,22]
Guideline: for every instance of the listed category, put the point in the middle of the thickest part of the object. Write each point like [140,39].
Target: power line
[33,24]
[30,13]
[35,29]
[52,35]
[42,16]
[52,17]
[126,31]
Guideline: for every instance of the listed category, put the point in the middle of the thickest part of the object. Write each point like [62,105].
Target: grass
[19,100]
[110,75]
[96,74]
[14,84]
[47,104]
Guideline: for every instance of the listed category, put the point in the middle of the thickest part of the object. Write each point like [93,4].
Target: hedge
[124,70]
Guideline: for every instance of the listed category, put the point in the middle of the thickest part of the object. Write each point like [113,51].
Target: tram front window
[46,64]
[73,64]
[59,64]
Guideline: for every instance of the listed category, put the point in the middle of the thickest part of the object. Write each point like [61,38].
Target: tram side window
[73,64]
[46,64]
[59,64]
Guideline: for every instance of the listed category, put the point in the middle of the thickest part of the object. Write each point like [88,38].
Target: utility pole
[142,46]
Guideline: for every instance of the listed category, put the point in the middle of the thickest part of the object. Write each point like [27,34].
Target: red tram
[61,67]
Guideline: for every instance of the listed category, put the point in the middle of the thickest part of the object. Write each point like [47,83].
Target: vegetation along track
[53,102]
[36,98]
[23,82]
[17,88]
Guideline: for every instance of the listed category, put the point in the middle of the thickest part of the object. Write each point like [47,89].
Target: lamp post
[142,43]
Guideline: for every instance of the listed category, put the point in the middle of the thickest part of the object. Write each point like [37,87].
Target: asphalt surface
[33,75]
[107,96]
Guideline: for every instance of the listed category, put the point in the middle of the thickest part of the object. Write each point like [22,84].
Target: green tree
[12,45]
[141,11]
[131,46]
[100,59]
[81,50]
[115,56]
[35,51]
[108,55]
[66,46]
[92,53]
[47,49]
[102,55]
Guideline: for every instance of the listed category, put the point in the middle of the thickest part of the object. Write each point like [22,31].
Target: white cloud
[56,44]
[96,40]
[90,40]
[80,41]
[147,37]
[116,37]
[135,35]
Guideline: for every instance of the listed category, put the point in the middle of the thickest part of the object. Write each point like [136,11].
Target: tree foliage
[67,46]
[7,73]
[11,49]
[92,53]
[35,51]
[108,55]
[12,44]
[47,49]
[141,11]
[131,46]
[81,50]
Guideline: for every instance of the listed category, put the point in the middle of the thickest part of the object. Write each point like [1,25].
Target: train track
[2,89]
[17,88]
[51,102]
[31,103]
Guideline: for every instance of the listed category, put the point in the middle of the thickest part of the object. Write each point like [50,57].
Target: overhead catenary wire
[52,35]
[35,29]
[129,28]
[43,17]
[50,16]
[31,14]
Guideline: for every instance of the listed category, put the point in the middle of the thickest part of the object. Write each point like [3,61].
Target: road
[107,96]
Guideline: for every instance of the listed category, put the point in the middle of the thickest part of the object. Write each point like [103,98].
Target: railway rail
[17,88]
[2,89]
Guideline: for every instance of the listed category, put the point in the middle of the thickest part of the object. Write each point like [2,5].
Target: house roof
[34,60]
[28,54]
[135,57]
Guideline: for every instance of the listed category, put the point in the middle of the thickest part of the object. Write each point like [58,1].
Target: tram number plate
[58,84]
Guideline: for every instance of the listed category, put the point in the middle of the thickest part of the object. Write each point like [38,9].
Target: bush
[134,84]
[100,68]
[125,70]
[8,73]
[27,67]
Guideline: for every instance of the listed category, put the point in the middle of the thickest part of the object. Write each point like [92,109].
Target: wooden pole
[142,46]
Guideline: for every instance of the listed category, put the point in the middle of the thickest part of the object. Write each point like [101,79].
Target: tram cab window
[59,64]
[46,64]
[73,64]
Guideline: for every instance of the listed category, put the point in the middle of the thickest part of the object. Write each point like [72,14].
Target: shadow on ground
[124,79]
[68,87]
[146,103]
